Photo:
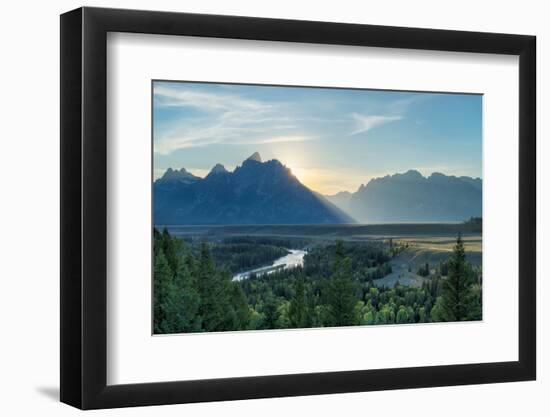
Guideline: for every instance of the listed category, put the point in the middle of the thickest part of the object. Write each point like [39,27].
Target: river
[292,260]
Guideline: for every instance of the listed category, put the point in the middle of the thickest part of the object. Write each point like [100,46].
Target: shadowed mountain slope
[255,192]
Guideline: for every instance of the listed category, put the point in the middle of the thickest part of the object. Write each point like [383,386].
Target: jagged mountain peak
[175,174]
[255,157]
[218,169]
[172,176]
[411,174]
[254,193]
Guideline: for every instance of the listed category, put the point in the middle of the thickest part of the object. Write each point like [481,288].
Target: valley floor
[425,243]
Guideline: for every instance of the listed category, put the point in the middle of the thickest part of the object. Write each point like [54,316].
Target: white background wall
[29,232]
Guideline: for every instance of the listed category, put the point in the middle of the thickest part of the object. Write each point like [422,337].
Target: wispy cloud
[382,113]
[168,96]
[279,139]
[364,123]
[211,136]
[225,118]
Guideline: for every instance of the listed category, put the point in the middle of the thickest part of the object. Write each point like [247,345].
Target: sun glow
[300,170]
[328,181]
[300,173]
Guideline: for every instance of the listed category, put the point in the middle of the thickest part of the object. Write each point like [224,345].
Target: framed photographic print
[258,207]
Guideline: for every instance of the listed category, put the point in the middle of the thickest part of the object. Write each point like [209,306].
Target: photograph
[286,207]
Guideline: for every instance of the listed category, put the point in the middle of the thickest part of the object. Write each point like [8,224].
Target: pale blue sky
[332,139]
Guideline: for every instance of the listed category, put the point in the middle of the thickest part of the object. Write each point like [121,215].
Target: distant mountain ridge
[256,192]
[341,199]
[411,197]
[172,178]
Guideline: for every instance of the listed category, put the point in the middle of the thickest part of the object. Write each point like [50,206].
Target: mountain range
[256,192]
[411,197]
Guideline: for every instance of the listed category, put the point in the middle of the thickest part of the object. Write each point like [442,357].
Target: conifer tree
[161,283]
[213,293]
[474,303]
[341,292]
[456,291]
[185,302]
[271,313]
[299,310]
[239,307]
[172,249]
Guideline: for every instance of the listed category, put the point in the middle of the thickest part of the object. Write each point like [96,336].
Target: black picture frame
[84,207]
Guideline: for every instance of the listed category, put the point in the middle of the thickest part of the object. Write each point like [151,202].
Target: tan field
[425,249]
[442,243]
